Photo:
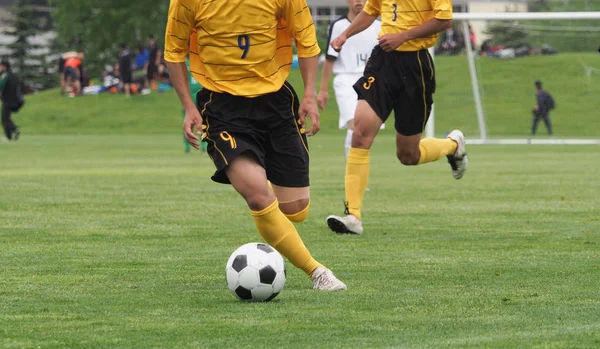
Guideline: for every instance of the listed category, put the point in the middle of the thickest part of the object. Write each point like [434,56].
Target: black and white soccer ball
[255,272]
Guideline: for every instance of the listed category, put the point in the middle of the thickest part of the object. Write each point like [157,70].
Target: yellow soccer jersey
[401,15]
[244,47]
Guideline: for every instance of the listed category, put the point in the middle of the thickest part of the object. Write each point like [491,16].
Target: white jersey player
[348,66]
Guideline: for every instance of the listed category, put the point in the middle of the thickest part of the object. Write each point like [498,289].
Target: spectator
[473,38]
[84,78]
[125,69]
[12,100]
[545,103]
[62,59]
[141,58]
[449,43]
[486,48]
[72,74]
[452,42]
[154,60]
[109,77]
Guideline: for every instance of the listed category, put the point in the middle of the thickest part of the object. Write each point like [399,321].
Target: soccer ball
[255,272]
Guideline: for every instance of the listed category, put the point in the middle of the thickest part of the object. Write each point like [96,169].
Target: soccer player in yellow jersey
[400,76]
[250,116]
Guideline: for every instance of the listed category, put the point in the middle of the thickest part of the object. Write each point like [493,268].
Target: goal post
[492,93]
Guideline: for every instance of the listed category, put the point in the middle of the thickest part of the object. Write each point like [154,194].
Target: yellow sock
[300,216]
[280,233]
[433,149]
[357,178]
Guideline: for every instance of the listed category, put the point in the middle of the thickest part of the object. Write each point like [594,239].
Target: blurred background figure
[72,74]
[545,103]
[125,72]
[61,68]
[141,58]
[451,42]
[12,100]
[154,58]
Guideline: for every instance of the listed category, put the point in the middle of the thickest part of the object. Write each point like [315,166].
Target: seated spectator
[451,42]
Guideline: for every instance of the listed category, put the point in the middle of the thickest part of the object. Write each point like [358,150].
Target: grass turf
[111,237]
[121,241]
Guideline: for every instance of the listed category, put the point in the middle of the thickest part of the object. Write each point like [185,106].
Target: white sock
[348,141]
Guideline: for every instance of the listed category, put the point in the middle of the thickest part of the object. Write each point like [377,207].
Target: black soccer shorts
[267,126]
[400,81]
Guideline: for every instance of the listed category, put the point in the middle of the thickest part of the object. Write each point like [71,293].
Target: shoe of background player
[324,280]
[146,92]
[458,161]
[348,224]
[345,225]
[16,134]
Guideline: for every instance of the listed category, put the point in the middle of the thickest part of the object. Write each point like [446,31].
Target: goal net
[487,67]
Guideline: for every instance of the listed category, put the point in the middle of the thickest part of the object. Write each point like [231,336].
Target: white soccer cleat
[324,280]
[458,161]
[345,225]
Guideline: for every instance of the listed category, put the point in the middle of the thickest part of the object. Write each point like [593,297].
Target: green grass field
[112,237]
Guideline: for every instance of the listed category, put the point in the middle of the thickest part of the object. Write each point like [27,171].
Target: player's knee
[361,138]
[296,211]
[259,200]
[408,158]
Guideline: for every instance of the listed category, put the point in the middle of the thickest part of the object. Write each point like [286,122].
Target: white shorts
[346,97]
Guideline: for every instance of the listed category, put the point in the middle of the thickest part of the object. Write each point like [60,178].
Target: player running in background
[399,76]
[348,66]
[251,117]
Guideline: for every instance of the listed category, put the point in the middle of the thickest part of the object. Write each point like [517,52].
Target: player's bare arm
[181,25]
[360,23]
[390,42]
[309,67]
[193,120]
[323,97]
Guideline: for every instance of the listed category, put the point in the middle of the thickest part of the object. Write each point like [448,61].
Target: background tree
[29,19]
[507,34]
[565,35]
[97,27]
[539,6]
[562,35]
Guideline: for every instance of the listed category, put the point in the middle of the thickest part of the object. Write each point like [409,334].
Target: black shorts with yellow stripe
[266,126]
[400,81]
